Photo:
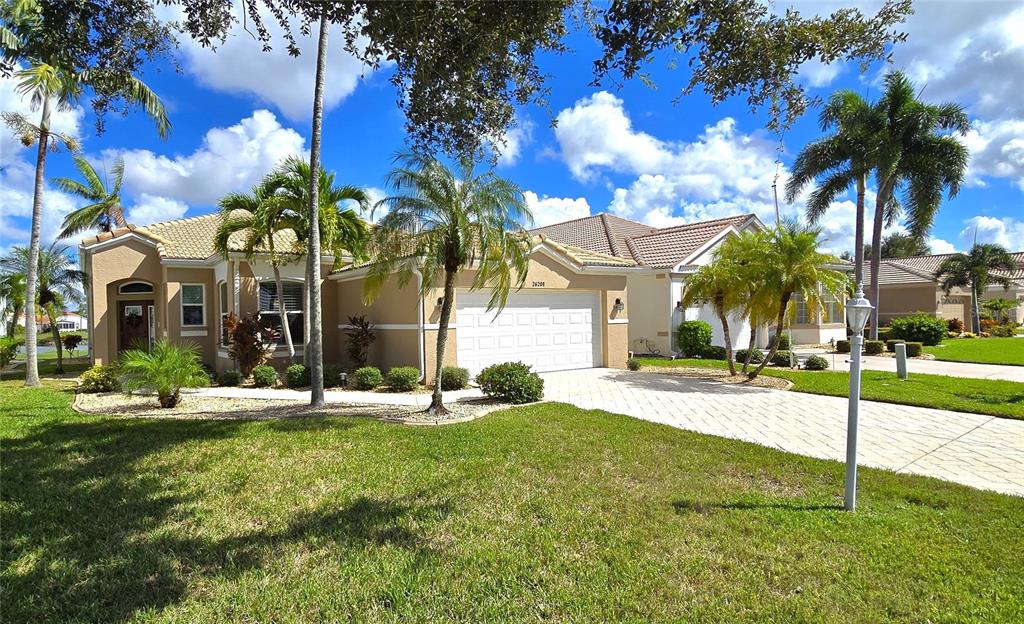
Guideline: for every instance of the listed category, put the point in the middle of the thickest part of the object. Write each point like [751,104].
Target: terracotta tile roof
[587,257]
[918,269]
[648,246]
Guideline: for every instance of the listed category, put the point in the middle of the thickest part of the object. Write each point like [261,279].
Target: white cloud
[547,210]
[997,150]
[154,209]
[229,159]
[240,65]
[939,246]
[515,140]
[818,74]
[1006,231]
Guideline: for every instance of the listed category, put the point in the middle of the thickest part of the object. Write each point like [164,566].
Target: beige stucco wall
[394,312]
[650,311]
[905,299]
[205,336]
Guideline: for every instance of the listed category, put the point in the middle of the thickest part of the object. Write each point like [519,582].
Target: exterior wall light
[440,301]
[619,305]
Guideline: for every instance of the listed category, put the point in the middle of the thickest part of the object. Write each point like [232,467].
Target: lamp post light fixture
[858,310]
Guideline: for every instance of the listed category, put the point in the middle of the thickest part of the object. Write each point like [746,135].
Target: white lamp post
[858,310]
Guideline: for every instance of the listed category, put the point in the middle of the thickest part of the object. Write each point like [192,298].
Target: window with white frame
[800,313]
[223,302]
[833,309]
[293,305]
[193,300]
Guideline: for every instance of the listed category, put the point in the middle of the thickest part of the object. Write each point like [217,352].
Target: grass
[47,367]
[545,512]
[980,350]
[960,394]
[52,354]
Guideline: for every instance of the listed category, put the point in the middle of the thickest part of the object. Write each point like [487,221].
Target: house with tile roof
[909,284]
[664,258]
[166,280]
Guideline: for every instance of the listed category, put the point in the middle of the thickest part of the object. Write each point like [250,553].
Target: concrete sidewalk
[353,397]
[841,362]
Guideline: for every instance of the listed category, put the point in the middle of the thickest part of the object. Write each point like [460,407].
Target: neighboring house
[909,284]
[665,257]
[67,321]
[166,281]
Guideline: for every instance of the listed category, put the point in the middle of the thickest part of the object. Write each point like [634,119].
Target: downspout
[421,328]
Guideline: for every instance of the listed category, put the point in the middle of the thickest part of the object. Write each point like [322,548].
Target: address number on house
[537,284]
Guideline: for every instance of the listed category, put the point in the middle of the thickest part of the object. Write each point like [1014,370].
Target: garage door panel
[547,330]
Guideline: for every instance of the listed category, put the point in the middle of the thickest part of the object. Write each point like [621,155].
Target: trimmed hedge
[816,363]
[714,352]
[693,338]
[842,346]
[100,378]
[512,382]
[229,378]
[403,378]
[756,357]
[298,376]
[919,327]
[873,347]
[454,378]
[367,378]
[781,358]
[890,345]
[264,376]
[914,349]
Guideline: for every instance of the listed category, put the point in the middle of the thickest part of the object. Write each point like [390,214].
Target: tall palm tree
[840,160]
[917,157]
[104,213]
[719,283]
[976,270]
[47,85]
[12,295]
[442,221]
[342,232]
[60,284]
[757,303]
[793,265]
[258,218]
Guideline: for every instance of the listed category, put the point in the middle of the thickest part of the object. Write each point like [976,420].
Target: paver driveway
[980,451]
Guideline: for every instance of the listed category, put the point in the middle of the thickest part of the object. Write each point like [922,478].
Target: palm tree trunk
[876,253]
[305,315]
[51,314]
[780,323]
[15,313]
[31,279]
[750,346]
[283,313]
[437,407]
[858,253]
[316,345]
[726,337]
[118,216]
[975,309]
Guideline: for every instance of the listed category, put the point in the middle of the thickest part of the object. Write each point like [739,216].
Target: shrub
[693,338]
[954,334]
[968,335]
[454,378]
[873,347]
[403,378]
[816,362]
[229,378]
[781,358]
[165,370]
[890,345]
[334,376]
[783,341]
[8,347]
[987,324]
[71,341]
[366,378]
[360,336]
[249,342]
[955,326]
[842,346]
[914,349]
[714,352]
[512,382]
[264,376]
[756,357]
[885,333]
[984,335]
[297,376]
[100,378]
[633,364]
[1004,331]
[919,327]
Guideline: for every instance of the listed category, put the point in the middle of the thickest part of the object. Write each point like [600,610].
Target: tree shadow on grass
[693,506]
[94,532]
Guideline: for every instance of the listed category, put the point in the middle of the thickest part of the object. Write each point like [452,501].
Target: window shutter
[292,296]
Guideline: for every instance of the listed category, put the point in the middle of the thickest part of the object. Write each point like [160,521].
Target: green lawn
[47,366]
[980,350]
[82,350]
[538,513]
[980,396]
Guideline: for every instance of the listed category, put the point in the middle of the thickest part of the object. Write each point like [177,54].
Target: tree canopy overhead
[462,67]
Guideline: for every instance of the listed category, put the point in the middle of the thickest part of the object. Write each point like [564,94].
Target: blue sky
[621,148]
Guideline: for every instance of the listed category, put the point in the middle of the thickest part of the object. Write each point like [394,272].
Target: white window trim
[222,309]
[181,307]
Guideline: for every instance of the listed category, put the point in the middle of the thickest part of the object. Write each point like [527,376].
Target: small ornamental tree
[360,336]
[250,342]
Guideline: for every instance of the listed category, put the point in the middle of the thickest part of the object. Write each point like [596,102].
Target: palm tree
[916,156]
[441,222]
[258,218]
[104,213]
[717,282]
[793,265]
[342,232]
[60,284]
[165,370]
[841,159]
[757,302]
[12,295]
[1000,308]
[47,85]
[975,270]
[899,244]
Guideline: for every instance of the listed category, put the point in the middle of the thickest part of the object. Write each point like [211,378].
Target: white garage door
[548,330]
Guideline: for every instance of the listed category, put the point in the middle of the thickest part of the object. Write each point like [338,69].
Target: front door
[133,324]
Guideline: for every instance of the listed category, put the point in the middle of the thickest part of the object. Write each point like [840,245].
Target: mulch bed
[717,374]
